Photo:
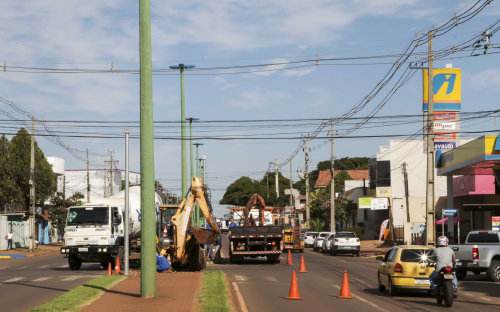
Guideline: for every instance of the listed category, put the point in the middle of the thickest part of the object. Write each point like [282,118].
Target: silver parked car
[327,242]
[318,241]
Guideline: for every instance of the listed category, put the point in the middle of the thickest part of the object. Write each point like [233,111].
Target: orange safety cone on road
[289,258]
[345,293]
[109,268]
[294,289]
[302,267]
[117,265]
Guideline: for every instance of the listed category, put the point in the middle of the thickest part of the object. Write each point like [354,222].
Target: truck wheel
[273,259]
[461,274]
[494,271]
[301,250]
[74,263]
[236,259]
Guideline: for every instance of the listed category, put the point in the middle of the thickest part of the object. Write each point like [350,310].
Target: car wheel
[74,263]
[391,288]
[357,253]
[380,286]
[494,271]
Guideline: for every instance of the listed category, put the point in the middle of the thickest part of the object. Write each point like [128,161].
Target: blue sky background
[96,34]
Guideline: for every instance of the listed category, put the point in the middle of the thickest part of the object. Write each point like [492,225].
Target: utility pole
[111,163]
[126,216]
[291,185]
[148,235]
[88,178]
[407,192]
[332,187]
[32,188]
[306,154]
[276,178]
[429,204]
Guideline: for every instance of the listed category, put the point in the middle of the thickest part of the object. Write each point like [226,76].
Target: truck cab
[93,233]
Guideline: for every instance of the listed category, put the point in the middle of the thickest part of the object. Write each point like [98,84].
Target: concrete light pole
[196,211]
[198,159]
[181,68]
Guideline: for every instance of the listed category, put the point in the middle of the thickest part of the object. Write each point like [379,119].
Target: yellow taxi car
[405,268]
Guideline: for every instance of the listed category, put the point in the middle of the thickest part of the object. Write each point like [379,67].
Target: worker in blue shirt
[162,264]
[232,223]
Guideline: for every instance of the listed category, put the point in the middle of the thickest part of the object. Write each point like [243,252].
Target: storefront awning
[478,157]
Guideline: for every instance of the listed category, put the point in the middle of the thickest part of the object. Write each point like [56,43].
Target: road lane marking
[240,278]
[43,266]
[363,300]
[41,279]
[71,278]
[243,307]
[21,268]
[272,279]
[63,266]
[15,279]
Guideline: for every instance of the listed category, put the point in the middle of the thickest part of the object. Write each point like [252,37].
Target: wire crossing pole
[32,188]
[148,250]
[429,204]
[332,188]
[306,154]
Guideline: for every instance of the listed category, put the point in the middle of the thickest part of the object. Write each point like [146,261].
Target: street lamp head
[192,119]
[198,144]
[181,66]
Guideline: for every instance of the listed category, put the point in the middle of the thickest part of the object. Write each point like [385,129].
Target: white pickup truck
[345,242]
[479,253]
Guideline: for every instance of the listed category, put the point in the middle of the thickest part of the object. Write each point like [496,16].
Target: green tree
[19,165]
[238,192]
[317,225]
[58,209]
[10,194]
[339,180]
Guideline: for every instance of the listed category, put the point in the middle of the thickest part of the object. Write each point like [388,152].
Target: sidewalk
[176,291]
[372,248]
[23,252]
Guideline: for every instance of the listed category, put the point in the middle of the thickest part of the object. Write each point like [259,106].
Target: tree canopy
[15,172]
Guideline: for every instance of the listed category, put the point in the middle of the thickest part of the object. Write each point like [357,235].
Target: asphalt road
[264,287]
[28,282]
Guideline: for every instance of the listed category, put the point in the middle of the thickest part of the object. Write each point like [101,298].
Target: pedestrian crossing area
[63,278]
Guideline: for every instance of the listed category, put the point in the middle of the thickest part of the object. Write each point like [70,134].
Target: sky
[284,100]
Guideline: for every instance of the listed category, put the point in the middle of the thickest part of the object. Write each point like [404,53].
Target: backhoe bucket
[204,236]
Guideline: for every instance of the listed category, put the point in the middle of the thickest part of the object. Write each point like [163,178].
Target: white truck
[479,253]
[95,232]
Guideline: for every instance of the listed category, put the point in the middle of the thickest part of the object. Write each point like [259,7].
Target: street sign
[449,212]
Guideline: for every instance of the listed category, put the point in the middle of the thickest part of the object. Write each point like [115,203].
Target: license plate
[459,263]
[448,276]
[83,249]
[422,282]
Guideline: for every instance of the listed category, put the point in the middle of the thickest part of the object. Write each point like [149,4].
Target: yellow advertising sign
[447,84]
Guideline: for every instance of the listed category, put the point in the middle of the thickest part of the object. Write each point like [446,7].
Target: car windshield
[314,235]
[415,255]
[323,235]
[345,234]
[88,216]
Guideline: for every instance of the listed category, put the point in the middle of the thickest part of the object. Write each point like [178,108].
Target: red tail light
[398,268]
[475,253]
[448,269]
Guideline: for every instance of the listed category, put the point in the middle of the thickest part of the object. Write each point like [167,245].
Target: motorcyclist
[444,257]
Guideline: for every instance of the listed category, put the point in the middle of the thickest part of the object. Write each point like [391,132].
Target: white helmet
[442,241]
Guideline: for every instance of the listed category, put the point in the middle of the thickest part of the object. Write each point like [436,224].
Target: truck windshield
[88,215]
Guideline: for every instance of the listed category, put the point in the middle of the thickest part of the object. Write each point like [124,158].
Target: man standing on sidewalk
[10,236]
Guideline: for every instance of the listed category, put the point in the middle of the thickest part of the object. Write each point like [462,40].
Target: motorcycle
[444,287]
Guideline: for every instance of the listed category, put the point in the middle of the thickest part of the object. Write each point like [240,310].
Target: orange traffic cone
[294,289]
[117,265]
[345,293]
[289,258]
[302,267]
[109,268]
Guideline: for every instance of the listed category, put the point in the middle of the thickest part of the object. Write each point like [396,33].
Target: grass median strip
[213,296]
[74,299]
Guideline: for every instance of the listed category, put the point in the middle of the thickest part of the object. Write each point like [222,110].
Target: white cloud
[257,98]
[223,84]
[489,78]
[271,69]
[320,96]
[299,72]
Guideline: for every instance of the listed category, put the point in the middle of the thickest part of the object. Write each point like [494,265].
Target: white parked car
[309,238]
[318,241]
[327,243]
[345,242]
